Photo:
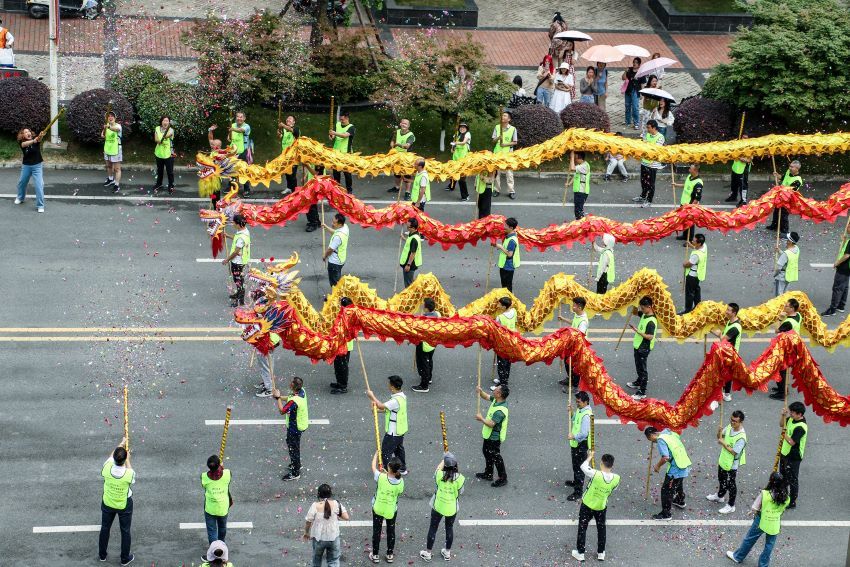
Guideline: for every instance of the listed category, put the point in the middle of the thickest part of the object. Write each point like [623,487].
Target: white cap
[217,550]
[608,240]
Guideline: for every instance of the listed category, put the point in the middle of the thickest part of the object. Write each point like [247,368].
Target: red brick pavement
[705,51]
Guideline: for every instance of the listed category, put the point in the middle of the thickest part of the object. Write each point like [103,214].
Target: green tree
[791,63]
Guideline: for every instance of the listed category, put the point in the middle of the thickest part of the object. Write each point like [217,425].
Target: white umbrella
[654,65]
[657,93]
[603,54]
[633,50]
[573,35]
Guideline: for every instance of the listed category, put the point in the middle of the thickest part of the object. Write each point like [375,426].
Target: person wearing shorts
[112,153]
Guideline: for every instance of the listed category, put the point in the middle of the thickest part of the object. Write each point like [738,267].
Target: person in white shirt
[336,248]
[606,263]
[238,258]
[780,271]
[580,322]
[396,424]
[322,527]
[663,116]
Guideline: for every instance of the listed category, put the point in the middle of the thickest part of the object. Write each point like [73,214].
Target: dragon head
[273,283]
[257,326]
[216,163]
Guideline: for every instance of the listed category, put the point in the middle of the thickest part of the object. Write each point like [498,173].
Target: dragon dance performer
[313,221]
[444,505]
[395,421]
[264,388]
[288,132]
[731,333]
[507,318]
[787,268]
[389,486]
[691,195]
[216,147]
[420,192]
[342,137]
[411,253]
[594,503]
[239,135]
[606,269]
[792,320]
[695,272]
[505,136]
[239,258]
[795,432]
[337,252]
[484,191]
[425,353]
[297,421]
[217,500]
[581,182]
[793,180]
[340,384]
[580,322]
[740,179]
[643,343]
[460,148]
[674,455]
[733,443]
[494,431]
[509,254]
[401,143]
[580,442]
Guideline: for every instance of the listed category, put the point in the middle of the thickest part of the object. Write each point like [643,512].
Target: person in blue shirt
[674,455]
[293,434]
[508,249]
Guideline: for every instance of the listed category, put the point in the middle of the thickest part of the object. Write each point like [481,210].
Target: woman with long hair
[767,510]
[663,115]
[545,73]
[564,83]
[588,86]
[648,104]
[444,505]
[322,527]
[32,165]
[389,486]
[557,46]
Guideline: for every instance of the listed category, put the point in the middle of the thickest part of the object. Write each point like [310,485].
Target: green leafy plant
[585,115]
[87,114]
[24,103]
[535,123]
[131,81]
[344,69]
[181,102]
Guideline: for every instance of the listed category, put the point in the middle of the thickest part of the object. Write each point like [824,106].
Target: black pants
[348,183]
[293,444]
[791,470]
[341,369]
[313,216]
[377,524]
[236,270]
[424,365]
[693,293]
[672,490]
[839,291]
[578,204]
[507,279]
[334,273]
[584,516]
[727,483]
[727,387]
[780,216]
[435,523]
[503,369]
[602,283]
[493,457]
[485,199]
[641,356]
[125,518]
[737,185]
[246,188]
[647,182]
[464,192]
[168,165]
[578,456]
[393,446]
[291,179]
[780,386]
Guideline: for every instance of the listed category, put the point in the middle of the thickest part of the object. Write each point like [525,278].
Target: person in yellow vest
[580,442]
[420,192]
[733,445]
[643,343]
[740,179]
[792,320]
[594,503]
[484,192]
[389,486]
[340,383]
[239,257]
[494,431]
[264,388]
[217,500]
[505,137]
[732,333]
[695,271]
[691,195]
[793,180]
[461,146]
[239,136]
[288,132]
[117,500]
[507,318]
[649,168]
[395,421]
[767,510]
[581,182]
[163,135]
[6,37]
[579,322]
[297,421]
[337,252]
[401,143]
[840,281]
[444,505]
[217,555]
[673,454]
[343,141]
[509,254]
[606,270]
[425,353]
[795,432]
[411,253]
[112,151]
[787,269]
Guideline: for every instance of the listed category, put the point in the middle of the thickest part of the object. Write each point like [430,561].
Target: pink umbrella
[654,65]
[603,54]
[633,50]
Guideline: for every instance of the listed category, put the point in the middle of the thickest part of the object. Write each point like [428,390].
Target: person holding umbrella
[633,84]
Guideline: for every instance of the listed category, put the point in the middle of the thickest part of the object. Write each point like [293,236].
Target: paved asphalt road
[131,262]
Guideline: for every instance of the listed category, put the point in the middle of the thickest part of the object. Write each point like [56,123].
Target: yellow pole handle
[377,437]
[445,434]
[224,434]
[126,422]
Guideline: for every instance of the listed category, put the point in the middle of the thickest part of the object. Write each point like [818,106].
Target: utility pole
[54,69]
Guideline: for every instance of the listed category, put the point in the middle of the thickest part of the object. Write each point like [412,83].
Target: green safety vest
[736,325]
[702,254]
[491,411]
[688,189]
[576,426]
[400,416]
[287,139]
[504,257]
[386,497]
[116,490]
[651,139]
[216,494]
[237,138]
[795,322]
[597,492]
[275,338]
[644,321]
[507,138]
[342,144]
[677,450]
[788,179]
[350,345]
[401,139]
[460,150]
[480,184]
[414,191]
[578,186]
[405,252]
[792,268]
[770,513]
[162,150]
[446,495]
[611,271]
[302,416]
[739,166]
[577,319]
[111,142]
[342,249]
[790,426]
[727,459]
[246,247]
[508,321]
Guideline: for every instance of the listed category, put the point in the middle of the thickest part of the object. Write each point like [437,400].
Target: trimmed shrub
[131,81]
[535,124]
[87,114]
[585,115]
[703,120]
[24,103]
[181,102]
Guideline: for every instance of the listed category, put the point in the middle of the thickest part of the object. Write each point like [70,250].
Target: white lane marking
[64,529]
[253,260]
[821,265]
[626,522]
[263,422]
[355,523]
[554,263]
[243,525]
[609,422]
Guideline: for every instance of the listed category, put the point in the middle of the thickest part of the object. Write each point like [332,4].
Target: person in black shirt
[31,166]
[780,215]
[795,431]
[790,312]
[732,334]
[632,93]
[288,132]
[842,277]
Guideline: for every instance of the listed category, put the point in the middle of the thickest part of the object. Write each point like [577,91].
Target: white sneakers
[600,556]
[714,498]
[40,210]
[731,555]
[578,556]
[727,509]
[18,201]
[427,555]
[727,397]
[447,555]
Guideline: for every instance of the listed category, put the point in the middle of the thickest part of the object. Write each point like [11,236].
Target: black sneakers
[421,389]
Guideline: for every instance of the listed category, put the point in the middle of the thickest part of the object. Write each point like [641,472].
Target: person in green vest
[606,270]
[217,500]
[313,220]
[505,137]
[795,432]
[297,421]
[425,352]
[395,421]
[239,257]
[740,179]
[507,318]
[695,271]
[793,180]
[444,505]
[401,143]
[343,141]
[117,500]
[461,146]
[580,442]
[792,320]
[581,182]
[288,132]
[673,454]
[411,253]
[163,135]
[691,195]
[580,322]
[841,279]
[420,192]
[112,151]
[509,254]
[340,383]
[731,333]
[240,140]
[337,252]
[594,503]
[648,168]
[390,485]
[767,510]
[733,444]
[217,555]
[494,431]
[643,343]
[787,269]
[484,192]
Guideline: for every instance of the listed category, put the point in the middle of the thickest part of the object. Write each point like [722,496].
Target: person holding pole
[411,254]
[32,166]
[240,140]
[484,192]
[112,153]
[740,179]
[460,148]
[581,182]
[313,219]
[494,430]
[217,555]
[288,132]
[444,505]
[649,169]
[507,318]
[297,421]
[389,487]
[425,353]
[580,322]
[420,191]
[401,143]
[793,180]
[217,500]
[732,333]
[733,443]
[643,344]
[505,136]
[795,432]
[842,277]
[792,320]
[395,421]
[117,500]
[340,385]
[594,503]
[767,511]
[337,252]
[239,258]
[343,141]
[264,388]
[605,269]
[580,442]
[787,266]
[695,271]
[673,453]
[163,135]
[691,194]
[509,254]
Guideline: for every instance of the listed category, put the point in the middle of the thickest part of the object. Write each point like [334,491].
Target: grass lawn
[707,6]
[432,3]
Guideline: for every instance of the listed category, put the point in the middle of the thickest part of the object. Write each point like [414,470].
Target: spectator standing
[557,47]
[337,252]
[839,282]
[343,141]
[444,505]
[505,136]
[519,92]
[117,500]
[601,85]
[545,74]
[321,527]
[217,500]
[112,153]
[564,84]
[632,87]
[288,132]
[648,103]
[32,166]
[663,116]
[240,140]
[588,86]
[659,73]
[163,135]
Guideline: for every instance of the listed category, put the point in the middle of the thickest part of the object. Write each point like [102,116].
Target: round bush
[24,103]
[585,115]
[87,114]
[132,80]
[181,102]
[535,124]
[703,120]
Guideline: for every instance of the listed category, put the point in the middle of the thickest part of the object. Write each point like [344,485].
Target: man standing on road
[343,141]
[240,256]
[288,132]
[733,442]
[787,265]
[695,271]
[580,442]
[112,153]
[240,140]
[580,322]
[420,192]
[793,180]
[643,343]
[795,431]
[340,384]
[581,182]
[460,148]
[672,453]
[691,195]
[792,321]
[217,501]
[313,220]
[605,269]
[411,253]
[337,251]
[505,136]
[740,179]
[425,353]
[494,431]
[841,279]
[395,421]
[401,143]
[732,333]
[297,421]
[649,169]
[507,318]
[264,388]
[163,151]
[594,504]
[117,500]
[484,192]
[509,254]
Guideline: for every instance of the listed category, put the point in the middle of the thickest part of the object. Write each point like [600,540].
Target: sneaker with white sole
[727,509]
[727,397]
[18,202]
[632,385]
[40,210]
[637,199]
[425,554]
[731,555]
[496,381]
[578,556]
[600,556]
[263,393]
[681,505]
[714,498]
[374,557]
[447,555]
[638,396]
[389,557]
